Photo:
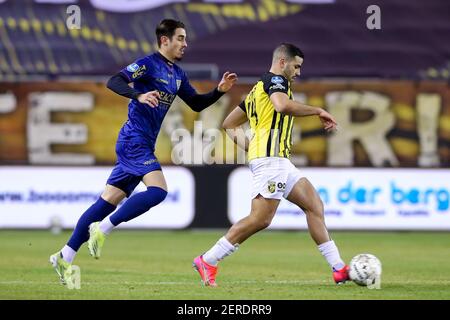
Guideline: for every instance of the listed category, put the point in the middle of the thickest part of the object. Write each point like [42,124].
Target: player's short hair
[167,28]
[287,50]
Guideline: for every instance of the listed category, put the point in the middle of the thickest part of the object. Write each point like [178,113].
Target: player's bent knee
[257,223]
[265,223]
[113,195]
[316,209]
[148,199]
[319,210]
[156,195]
[320,206]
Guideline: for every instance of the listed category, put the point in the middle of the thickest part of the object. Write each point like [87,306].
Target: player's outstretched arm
[232,126]
[228,80]
[199,102]
[283,104]
[327,120]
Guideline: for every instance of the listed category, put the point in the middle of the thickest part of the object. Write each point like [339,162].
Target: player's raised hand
[150,98]
[327,120]
[228,80]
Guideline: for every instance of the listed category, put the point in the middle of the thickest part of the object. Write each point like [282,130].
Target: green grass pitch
[270,265]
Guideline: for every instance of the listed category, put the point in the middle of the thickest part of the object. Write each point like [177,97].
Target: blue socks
[132,208]
[97,212]
[138,204]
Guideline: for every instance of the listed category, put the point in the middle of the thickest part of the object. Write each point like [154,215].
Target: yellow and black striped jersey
[272,131]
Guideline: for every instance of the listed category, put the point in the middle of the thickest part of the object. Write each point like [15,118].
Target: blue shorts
[134,161]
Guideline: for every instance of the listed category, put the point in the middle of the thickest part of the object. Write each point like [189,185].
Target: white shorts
[273,177]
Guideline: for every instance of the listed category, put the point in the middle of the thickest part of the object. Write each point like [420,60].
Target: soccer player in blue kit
[157,81]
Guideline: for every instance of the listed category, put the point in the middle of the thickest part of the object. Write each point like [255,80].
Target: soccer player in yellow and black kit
[270,109]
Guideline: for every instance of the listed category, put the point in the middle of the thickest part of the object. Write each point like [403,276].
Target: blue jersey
[153,72]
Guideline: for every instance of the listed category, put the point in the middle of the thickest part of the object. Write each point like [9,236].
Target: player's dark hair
[167,28]
[288,50]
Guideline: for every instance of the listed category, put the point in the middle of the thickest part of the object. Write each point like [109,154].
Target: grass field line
[235,282]
[154,282]
[193,282]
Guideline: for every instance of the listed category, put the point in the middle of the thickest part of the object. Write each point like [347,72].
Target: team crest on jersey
[133,67]
[271,186]
[277,80]
[178,84]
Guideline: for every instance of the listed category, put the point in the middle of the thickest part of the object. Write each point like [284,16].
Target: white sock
[106,226]
[331,254]
[220,250]
[68,254]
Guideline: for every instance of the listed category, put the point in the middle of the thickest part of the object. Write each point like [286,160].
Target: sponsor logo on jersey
[139,72]
[178,84]
[281,186]
[133,67]
[277,80]
[149,162]
[166,98]
[278,86]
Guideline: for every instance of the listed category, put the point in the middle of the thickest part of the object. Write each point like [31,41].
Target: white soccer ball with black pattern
[365,269]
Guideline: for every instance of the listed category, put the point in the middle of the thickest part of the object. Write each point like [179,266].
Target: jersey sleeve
[275,83]
[242,106]
[186,91]
[136,70]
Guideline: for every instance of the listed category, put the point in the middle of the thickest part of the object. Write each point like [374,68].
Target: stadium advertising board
[41,197]
[381,124]
[372,199]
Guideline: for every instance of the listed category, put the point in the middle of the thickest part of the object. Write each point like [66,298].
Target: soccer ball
[365,269]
